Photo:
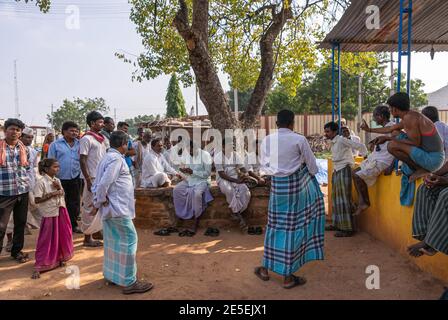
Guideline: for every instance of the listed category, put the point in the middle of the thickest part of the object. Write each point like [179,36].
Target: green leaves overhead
[175,103]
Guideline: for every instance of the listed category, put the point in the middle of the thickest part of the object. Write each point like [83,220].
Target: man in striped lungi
[296,213]
[430,221]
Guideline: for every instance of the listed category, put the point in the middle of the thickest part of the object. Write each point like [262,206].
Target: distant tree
[175,103]
[77,111]
[133,123]
[243,99]
[418,96]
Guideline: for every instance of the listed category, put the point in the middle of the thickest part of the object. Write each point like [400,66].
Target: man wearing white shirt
[343,161]
[296,213]
[155,169]
[113,197]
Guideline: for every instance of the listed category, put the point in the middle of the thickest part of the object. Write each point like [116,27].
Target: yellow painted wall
[388,221]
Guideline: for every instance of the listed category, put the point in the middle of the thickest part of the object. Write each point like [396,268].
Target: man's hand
[433,180]
[380,140]
[365,126]
[57,185]
[186,170]
[261,182]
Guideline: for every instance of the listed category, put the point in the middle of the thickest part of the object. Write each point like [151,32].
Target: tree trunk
[196,39]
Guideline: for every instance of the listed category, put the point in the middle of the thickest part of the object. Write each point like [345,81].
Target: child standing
[55,245]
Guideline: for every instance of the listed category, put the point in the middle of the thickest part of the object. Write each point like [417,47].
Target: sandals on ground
[297,281]
[21,257]
[186,233]
[93,244]
[211,232]
[257,272]
[138,287]
[255,231]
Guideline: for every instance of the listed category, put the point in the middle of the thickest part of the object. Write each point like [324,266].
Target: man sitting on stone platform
[430,221]
[156,172]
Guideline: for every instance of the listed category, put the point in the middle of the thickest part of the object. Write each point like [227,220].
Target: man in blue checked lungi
[113,193]
[296,213]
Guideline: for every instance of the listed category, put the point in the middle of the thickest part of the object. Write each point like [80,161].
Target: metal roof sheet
[429,24]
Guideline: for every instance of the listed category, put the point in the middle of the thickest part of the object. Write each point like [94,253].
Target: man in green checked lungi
[430,221]
[296,213]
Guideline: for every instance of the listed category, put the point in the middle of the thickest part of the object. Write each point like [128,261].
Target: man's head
[109,124]
[399,104]
[381,115]
[147,136]
[331,130]
[70,130]
[432,113]
[95,121]
[119,141]
[157,145]
[285,119]
[27,136]
[140,132]
[343,122]
[13,129]
[345,132]
[123,126]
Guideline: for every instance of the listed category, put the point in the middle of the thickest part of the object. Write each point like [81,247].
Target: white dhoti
[191,201]
[157,180]
[371,170]
[237,195]
[89,224]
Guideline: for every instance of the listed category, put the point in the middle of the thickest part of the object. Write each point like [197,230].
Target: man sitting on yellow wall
[430,221]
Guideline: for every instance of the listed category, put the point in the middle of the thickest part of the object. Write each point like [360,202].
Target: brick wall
[155,209]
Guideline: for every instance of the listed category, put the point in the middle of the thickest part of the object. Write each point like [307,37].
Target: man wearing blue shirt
[123,126]
[66,151]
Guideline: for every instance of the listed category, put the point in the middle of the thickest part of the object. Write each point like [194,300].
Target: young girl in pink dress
[55,244]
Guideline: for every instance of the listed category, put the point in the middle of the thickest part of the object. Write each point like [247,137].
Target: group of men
[420,142]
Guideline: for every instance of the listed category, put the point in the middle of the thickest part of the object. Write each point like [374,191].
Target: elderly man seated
[156,172]
[430,221]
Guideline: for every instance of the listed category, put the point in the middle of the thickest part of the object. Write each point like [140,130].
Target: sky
[55,62]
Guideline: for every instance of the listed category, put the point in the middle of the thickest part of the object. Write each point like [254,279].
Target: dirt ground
[222,268]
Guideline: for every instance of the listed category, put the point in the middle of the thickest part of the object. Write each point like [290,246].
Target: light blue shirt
[114,183]
[68,158]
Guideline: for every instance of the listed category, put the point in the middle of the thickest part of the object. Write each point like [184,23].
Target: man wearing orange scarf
[14,186]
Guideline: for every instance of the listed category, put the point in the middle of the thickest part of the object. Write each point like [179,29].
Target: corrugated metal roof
[430,27]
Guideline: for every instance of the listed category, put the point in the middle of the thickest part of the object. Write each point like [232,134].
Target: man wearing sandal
[14,186]
[296,212]
[113,196]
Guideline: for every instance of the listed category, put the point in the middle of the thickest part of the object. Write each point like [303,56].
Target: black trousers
[18,205]
[72,189]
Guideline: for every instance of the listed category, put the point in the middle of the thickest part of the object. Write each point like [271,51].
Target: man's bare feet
[360,209]
[420,173]
[415,249]
[35,275]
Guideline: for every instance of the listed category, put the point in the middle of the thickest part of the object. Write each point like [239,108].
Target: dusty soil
[222,268]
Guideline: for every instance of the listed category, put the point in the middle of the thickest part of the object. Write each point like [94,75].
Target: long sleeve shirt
[341,150]
[284,152]
[113,183]
[442,129]
[201,164]
[152,164]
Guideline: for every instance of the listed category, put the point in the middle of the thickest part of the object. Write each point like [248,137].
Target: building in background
[439,98]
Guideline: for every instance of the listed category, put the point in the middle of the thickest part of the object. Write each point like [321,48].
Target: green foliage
[44,5]
[243,99]
[133,123]
[175,103]
[418,96]
[77,111]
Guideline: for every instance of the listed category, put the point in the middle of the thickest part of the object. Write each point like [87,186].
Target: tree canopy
[175,103]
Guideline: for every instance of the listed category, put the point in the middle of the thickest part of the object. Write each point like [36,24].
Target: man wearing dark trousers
[66,151]
[14,186]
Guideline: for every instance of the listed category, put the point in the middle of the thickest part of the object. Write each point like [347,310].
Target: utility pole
[197,100]
[392,74]
[235,99]
[360,101]
[16,91]
[52,116]
[115,115]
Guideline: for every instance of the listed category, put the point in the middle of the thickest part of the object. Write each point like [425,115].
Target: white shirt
[152,164]
[33,165]
[356,139]
[94,150]
[383,155]
[44,186]
[114,183]
[442,129]
[284,152]
[341,149]
[201,164]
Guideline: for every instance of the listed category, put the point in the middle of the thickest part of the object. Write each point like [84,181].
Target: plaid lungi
[120,248]
[296,223]
[430,220]
[341,195]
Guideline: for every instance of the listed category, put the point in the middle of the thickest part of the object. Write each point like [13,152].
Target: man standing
[296,213]
[91,149]
[155,168]
[109,126]
[66,151]
[342,157]
[420,148]
[114,198]
[141,148]
[14,186]
[123,126]
[192,195]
